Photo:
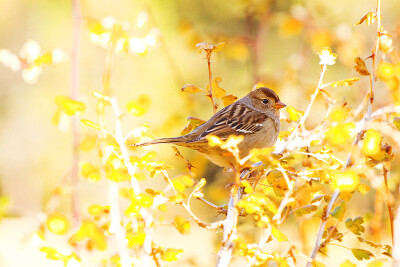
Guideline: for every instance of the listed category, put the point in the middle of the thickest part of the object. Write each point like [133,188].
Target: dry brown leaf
[360,66]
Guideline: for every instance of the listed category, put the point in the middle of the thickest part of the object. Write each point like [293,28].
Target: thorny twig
[186,206]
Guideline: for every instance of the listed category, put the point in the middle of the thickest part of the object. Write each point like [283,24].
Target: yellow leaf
[182,182]
[98,209]
[348,263]
[294,114]
[46,58]
[89,230]
[385,43]
[339,114]
[191,88]
[341,134]
[89,142]
[396,122]
[363,188]
[171,254]
[369,18]
[217,91]
[91,172]
[228,99]
[278,234]
[327,57]
[372,143]
[91,124]
[69,105]
[193,124]
[58,223]
[136,239]
[139,106]
[346,181]
[219,47]
[347,82]
[360,66]
[182,225]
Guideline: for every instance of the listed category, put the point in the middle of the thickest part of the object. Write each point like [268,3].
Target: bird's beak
[279,105]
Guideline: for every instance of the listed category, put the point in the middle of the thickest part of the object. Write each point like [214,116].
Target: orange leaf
[191,88]
[360,66]
[369,18]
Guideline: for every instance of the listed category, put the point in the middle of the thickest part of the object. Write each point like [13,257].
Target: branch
[396,239]
[292,136]
[74,93]
[210,92]
[147,217]
[230,224]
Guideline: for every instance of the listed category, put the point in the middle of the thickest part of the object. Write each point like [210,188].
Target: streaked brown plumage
[255,116]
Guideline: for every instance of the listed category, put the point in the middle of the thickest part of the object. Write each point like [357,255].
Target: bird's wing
[236,119]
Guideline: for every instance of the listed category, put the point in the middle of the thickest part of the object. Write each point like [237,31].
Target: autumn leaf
[346,82]
[305,210]
[191,88]
[361,254]
[294,114]
[210,47]
[171,254]
[355,225]
[327,57]
[193,124]
[58,223]
[69,106]
[217,91]
[139,106]
[182,225]
[339,211]
[228,99]
[396,122]
[369,18]
[360,66]
[278,234]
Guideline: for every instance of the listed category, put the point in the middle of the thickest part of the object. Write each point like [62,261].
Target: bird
[256,117]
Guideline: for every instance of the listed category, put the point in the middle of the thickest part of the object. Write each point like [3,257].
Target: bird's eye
[265,101]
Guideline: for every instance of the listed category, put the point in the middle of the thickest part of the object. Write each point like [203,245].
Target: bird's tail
[173,140]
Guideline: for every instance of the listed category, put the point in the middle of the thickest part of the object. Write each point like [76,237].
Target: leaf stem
[388,201]
[210,92]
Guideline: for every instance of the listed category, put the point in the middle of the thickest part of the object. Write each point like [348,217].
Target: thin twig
[186,206]
[75,123]
[388,201]
[396,241]
[210,92]
[131,168]
[230,223]
[306,113]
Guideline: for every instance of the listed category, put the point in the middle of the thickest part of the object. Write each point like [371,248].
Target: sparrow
[255,117]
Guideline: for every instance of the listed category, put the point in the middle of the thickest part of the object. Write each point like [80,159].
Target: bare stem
[396,241]
[306,113]
[230,224]
[388,202]
[75,123]
[322,227]
[210,92]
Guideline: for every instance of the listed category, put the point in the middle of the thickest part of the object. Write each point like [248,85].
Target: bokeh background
[273,42]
